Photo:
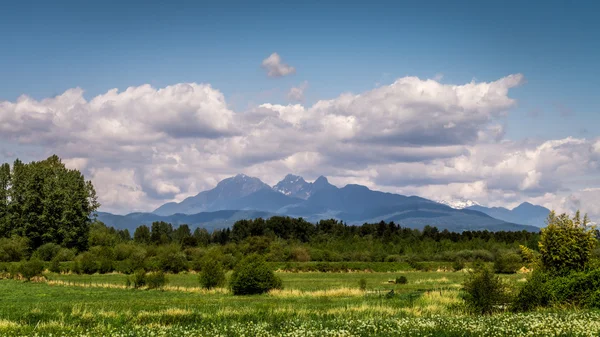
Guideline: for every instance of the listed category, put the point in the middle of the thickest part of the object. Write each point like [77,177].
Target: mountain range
[242,197]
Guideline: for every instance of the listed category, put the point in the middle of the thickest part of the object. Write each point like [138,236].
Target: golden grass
[334,292]
[6,324]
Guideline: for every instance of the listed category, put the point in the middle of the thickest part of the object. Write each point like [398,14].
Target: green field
[311,304]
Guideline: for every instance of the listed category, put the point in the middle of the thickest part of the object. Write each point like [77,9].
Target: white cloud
[275,66]
[297,93]
[144,146]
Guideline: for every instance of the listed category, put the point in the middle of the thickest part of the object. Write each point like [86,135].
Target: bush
[86,263]
[253,276]
[138,279]
[105,265]
[484,292]
[401,280]
[13,249]
[156,280]
[47,252]
[534,293]
[362,284]
[65,254]
[507,263]
[55,266]
[566,244]
[171,259]
[31,269]
[212,274]
[458,264]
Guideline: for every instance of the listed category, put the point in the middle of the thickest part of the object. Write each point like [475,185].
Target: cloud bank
[145,146]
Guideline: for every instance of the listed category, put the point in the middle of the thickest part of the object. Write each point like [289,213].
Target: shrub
[458,264]
[138,279]
[533,294]
[171,259]
[55,265]
[156,280]
[507,263]
[253,276]
[401,280]
[13,249]
[578,289]
[212,274]
[566,244]
[65,254]
[47,252]
[31,268]
[300,254]
[484,292]
[105,265]
[86,263]
[362,284]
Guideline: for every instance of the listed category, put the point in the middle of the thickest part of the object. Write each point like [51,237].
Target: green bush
[138,279]
[55,265]
[507,263]
[401,279]
[458,264]
[566,244]
[362,284]
[47,252]
[13,249]
[534,293]
[65,254]
[253,276]
[212,274]
[156,280]
[86,263]
[484,292]
[105,265]
[579,289]
[171,259]
[30,269]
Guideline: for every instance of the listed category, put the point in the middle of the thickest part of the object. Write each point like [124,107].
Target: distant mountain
[459,203]
[228,191]
[296,186]
[208,220]
[525,214]
[293,196]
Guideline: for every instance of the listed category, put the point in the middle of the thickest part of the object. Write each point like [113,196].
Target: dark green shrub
[458,264]
[138,279]
[156,280]
[484,292]
[86,263]
[576,289]
[253,276]
[30,269]
[212,274]
[105,265]
[534,293]
[401,279]
[13,249]
[55,266]
[507,263]
[65,254]
[171,259]
[47,252]
[362,284]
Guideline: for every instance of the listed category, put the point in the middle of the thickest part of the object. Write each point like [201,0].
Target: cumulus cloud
[145,146]
[275,66]
[297,93]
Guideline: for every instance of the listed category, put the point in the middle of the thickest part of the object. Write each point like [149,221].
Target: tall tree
[4,199]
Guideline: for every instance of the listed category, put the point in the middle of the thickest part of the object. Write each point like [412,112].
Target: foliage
[253,276]
[138,279]
[46,203]
[212,274]
[362,284]
[401,279]
[484,292]
[534,293]
[13,249]
[507,263]
[47,252]
[30,269]
[156,280]
[458,264]
[86,263]
[566,244]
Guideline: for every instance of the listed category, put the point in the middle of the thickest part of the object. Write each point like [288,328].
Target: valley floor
[312,304]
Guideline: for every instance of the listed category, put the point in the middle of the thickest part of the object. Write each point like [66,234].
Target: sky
[494,102]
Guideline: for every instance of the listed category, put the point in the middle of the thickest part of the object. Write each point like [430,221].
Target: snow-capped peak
[459,203]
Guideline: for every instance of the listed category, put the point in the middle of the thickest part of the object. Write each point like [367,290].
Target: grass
[311,304]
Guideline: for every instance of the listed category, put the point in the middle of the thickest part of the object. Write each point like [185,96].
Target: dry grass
[335,292]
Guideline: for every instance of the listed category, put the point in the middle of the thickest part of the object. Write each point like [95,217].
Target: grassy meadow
[311,304]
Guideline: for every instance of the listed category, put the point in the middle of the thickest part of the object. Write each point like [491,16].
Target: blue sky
[53,46]
[133,148]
